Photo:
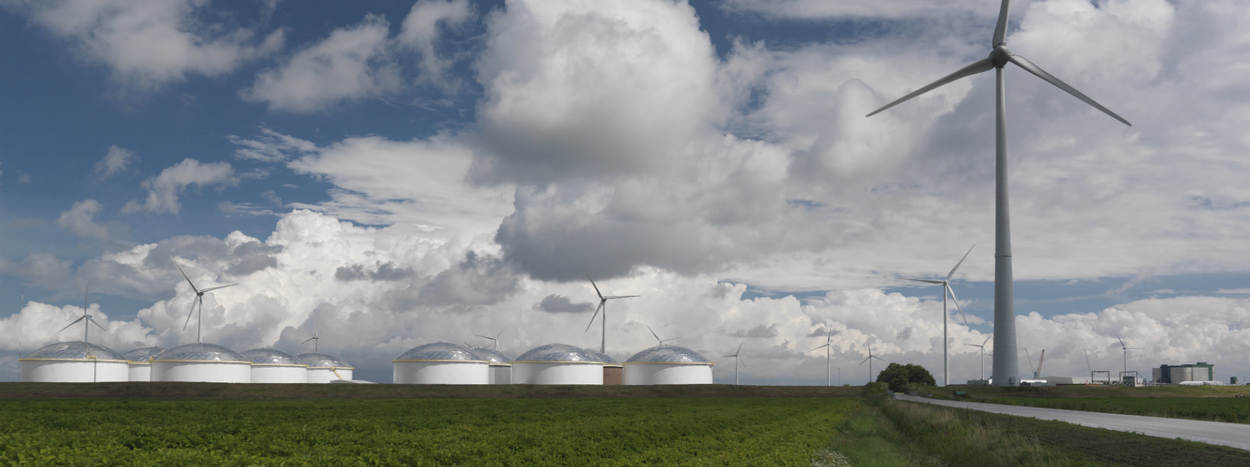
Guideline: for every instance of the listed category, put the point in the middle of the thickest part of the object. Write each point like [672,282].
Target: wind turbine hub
[999,56]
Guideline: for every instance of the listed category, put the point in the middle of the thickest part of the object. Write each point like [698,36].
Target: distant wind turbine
[948,291]
[85,318]
[828,346]
[493,340]
[982,347]
[737,356]
[198,300]
[657,337]
[1125,348]
[1006,365]
[603,306]
[315,339]
[869,362]
[21,301]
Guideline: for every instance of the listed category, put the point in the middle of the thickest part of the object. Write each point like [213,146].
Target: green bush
[898,377]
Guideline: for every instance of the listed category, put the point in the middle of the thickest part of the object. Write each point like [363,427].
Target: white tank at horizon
[201,363]
[557,364]
[74,362]
[667,364]
[440,363]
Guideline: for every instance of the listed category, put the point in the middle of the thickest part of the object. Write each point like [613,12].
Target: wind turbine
[1125,348]
[85,318]
[315,340]
[982,347]
[21,300]
[828,346]
[603,306]
[869,361]
[947,290]
[1006,366]
[198,300]
[657,338]
[493,340]
[736,355]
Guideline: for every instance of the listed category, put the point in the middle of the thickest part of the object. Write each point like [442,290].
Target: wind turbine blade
[500,333]
[1000,29]
[597,292]
[972,345]
[865,360]
[961,261]
[307,340]
[979,66]
[95,323]
[927,281]
[485,337]
[657,338]
[592,317]
[736,352]
[210,289]
[613,297]
[956,301]
[819,347]
[1121,342]
[878,358]
[67,326]
[1049,78]
[184,276]
[190,311]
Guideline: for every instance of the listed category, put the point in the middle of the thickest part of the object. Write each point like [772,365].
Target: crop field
[637,430]
[1223,404]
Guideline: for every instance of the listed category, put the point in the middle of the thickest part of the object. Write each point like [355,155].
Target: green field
[202,424]
[1217,403]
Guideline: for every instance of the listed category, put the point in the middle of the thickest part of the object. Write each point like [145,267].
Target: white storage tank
[140,362]
[275,366]
[668,364]
[202,363]
[500,365]
[557,364]
[613,371]
[324,368]
[74,362]
[440,363]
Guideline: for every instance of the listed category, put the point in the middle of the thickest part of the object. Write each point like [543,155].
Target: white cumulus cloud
[164,189]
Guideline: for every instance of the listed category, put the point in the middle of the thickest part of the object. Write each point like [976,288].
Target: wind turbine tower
[603,306]
[86,319]
[869,362]
[982,347]
[315,339]
[198,301]
[948,291]
[1006,366]
[828,346]
[736,356]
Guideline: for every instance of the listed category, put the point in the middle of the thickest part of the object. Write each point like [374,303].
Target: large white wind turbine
[948,291]
[869,362]
[493,340]
[828,346]
[737,357]
[603,306]
[982,347]
[315,339]
[1006,366]
[199,300]
[86,319]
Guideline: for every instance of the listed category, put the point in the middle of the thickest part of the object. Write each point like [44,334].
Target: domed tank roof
[441,352]
[142,354]
[495,357]
[605,358]
[669,354]
[200,352]
[559,353]
[269,356]
[77,350]
[320,360]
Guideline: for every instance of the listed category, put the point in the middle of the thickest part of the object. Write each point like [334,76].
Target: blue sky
[458,163]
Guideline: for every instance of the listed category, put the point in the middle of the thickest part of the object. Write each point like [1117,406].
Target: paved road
[1235,435]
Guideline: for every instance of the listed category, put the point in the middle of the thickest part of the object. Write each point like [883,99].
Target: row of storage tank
[437,363]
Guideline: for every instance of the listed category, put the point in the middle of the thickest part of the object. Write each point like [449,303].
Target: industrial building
[275,366]
[440,363]
[205,363]
[557,364]
[500,365]
[324,368]
[668,364]
[140,362]
[73,362]
[1177,374]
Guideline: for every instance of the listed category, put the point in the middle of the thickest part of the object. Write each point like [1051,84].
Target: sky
[390,174]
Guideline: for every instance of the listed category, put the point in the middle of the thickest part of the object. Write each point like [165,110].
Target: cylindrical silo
[500,365]
[440,363]
[668,364]
[557,364]
[74,362]
[140,362]
[323,368]
[203,363]
[275,366]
